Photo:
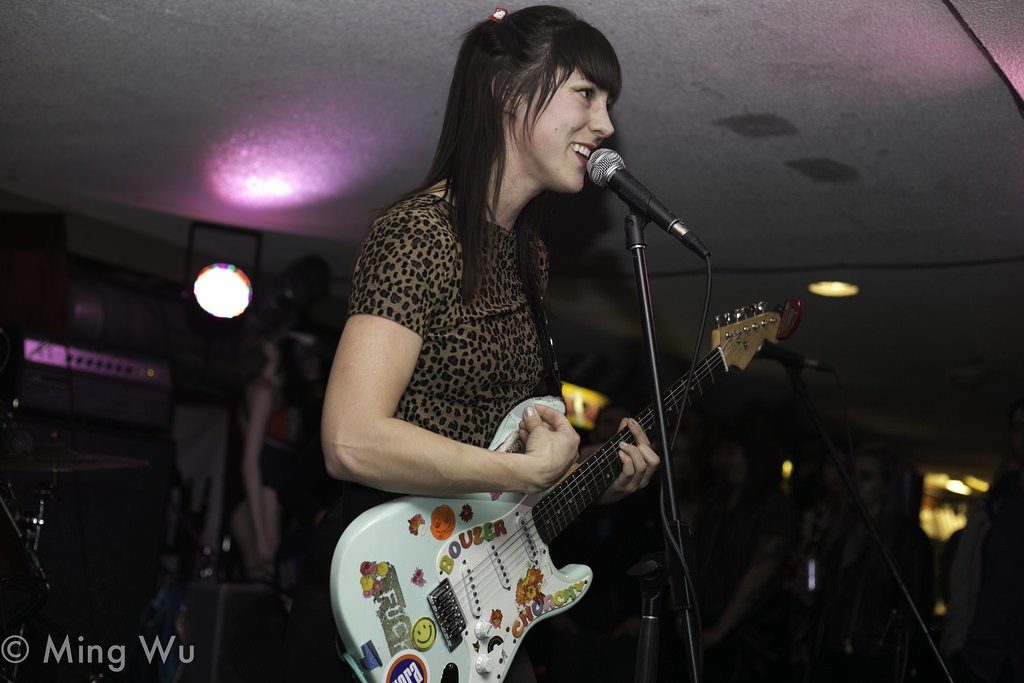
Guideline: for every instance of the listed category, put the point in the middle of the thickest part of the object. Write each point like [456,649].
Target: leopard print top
[478,361]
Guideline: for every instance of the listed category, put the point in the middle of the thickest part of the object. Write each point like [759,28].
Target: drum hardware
[63,459]
[23,584]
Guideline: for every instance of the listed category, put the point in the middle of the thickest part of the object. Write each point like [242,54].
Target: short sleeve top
[477,361]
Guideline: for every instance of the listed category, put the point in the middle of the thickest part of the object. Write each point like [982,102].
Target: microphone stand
[800,389]
[655,575]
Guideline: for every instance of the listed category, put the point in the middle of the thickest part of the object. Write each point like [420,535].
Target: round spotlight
[833,288]
[223,290]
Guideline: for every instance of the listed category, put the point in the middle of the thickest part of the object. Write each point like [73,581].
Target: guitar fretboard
[589,481]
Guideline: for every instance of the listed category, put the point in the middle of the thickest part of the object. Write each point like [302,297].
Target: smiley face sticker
[442,522]
[424,633]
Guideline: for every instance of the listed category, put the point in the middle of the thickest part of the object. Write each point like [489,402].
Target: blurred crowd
[790,584]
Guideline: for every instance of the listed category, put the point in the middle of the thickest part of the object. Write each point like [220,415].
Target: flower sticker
[498,14]
[495,495]
[371,575]
[418,579]
[496,617]
[467,513]
[415,522]
[528,587]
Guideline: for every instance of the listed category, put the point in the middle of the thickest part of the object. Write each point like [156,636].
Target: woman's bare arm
[364,442]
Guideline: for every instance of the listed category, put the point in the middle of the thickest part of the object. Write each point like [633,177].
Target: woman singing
[442,336]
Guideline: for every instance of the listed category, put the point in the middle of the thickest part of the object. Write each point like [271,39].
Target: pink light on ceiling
[300,161]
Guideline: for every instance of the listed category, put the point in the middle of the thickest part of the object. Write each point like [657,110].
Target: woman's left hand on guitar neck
[639,464]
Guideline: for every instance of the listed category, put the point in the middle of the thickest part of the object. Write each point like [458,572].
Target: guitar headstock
[740,333]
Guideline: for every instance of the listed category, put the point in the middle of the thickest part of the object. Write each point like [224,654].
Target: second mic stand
[653,576]
[800,389]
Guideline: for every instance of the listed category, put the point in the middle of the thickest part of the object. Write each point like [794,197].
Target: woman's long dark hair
[519,61]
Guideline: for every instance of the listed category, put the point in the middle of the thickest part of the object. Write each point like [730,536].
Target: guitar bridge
[447,614]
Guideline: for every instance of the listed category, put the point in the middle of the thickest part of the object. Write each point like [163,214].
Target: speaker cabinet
[236,632]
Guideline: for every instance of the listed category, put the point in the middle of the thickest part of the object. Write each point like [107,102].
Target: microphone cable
[687,573]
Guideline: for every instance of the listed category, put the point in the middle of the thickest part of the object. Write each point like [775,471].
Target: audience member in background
[743,534]
[865,627]
[822,522]
[268,430]
[306,490]
[277,422]
[984,629]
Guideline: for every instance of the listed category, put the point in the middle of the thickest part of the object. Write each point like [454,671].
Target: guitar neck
[564,503]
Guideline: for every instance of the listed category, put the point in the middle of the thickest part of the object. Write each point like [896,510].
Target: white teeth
[585,151]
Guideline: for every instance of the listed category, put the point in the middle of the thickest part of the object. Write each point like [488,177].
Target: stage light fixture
[221,277]
[223,290]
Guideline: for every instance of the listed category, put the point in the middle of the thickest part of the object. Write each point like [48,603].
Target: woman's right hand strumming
[552,447]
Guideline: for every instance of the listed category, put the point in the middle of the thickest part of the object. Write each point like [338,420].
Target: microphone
[792,359]
[607,169]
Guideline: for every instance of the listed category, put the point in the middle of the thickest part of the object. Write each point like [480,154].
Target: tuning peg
[718,320]
[762,306]
[739,314]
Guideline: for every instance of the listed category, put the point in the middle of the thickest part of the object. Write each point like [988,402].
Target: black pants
[312,640]
[312,653]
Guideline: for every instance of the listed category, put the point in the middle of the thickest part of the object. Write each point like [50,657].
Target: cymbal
[66,460]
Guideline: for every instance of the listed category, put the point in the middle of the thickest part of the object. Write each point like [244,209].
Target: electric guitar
[445,589]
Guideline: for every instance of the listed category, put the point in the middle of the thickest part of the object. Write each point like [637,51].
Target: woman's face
[575,122]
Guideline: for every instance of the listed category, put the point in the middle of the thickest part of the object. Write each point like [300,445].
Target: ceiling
[865,140]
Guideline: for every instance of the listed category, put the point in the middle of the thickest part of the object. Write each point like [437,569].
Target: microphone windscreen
[603,164]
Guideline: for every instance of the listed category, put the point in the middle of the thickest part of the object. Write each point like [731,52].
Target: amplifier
[76,381]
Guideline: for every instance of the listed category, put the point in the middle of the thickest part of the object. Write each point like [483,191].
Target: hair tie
[498,14]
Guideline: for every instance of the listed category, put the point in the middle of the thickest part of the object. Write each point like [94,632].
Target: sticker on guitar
[483,533]
[407,667]
[379,581]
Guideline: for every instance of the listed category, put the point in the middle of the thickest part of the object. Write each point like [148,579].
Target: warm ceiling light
[976,484]
[833,288]
[223,290]
[787,469]
[957,486]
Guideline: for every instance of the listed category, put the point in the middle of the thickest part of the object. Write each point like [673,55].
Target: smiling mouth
[581,150]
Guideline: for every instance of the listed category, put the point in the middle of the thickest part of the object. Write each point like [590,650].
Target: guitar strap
[551,382]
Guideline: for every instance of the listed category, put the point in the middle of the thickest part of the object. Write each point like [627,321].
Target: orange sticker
[442,522]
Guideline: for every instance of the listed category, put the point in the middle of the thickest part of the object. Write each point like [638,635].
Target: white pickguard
[480,559]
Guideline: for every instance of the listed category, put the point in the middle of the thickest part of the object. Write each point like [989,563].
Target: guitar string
[610,455]
[611,466]
[706,370]
[608,461]
[487,590]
